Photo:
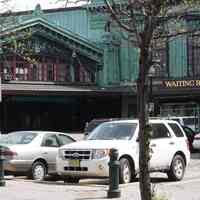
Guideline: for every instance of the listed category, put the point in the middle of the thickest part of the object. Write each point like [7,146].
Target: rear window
[18,138]
[177,131]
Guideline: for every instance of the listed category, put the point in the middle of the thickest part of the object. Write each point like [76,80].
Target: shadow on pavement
[99,182]
[195,155]
[159,180]
[90,198]
[156,180]
[83,182]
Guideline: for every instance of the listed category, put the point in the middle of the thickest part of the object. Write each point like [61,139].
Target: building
[63,67]
[50,74]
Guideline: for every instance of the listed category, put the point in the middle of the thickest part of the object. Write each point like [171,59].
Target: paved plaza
[20,188]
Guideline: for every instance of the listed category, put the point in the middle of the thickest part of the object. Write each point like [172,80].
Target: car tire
[125,175]
[38,171]
[177,168]
[71,180]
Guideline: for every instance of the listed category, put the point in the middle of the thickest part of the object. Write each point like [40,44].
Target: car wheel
[125,174]
[177,169]
[38,171]
[71,180]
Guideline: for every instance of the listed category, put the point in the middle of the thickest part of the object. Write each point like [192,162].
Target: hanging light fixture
[74,55]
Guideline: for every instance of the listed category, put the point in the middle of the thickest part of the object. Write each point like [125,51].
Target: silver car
[33,153]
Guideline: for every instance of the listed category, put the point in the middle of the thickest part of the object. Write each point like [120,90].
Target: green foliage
[21,44]
[158,197]
[155,196]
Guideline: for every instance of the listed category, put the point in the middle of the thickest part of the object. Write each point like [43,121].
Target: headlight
[100,153]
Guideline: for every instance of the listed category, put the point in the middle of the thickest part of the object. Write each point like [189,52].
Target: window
[50,141]
[34,73]
[159,131]
[63,72]
[64,139]
[84,75]
[50,72]
[21,71]
[193,56]
[7,71]
[160,56]
[82,71]
[18,138]
[113,131]
[176,129]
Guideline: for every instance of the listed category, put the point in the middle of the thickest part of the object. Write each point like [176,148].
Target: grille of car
[77,154]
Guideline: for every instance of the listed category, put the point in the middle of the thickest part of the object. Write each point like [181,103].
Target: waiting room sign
[181,84]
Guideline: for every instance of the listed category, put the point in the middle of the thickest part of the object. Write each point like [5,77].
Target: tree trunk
[144,176]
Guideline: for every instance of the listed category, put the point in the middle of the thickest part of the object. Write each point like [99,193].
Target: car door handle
[153,145]
[171,143]
[45,153]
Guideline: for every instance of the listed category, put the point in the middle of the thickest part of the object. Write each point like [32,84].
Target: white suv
[89,158]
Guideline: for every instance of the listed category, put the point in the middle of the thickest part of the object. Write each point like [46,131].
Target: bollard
[114,164]
[2,180]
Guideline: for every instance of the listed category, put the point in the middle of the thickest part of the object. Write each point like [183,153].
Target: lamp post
[2,180]
[151,74]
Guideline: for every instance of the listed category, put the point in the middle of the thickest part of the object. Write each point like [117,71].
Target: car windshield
[113,131]
[17,138]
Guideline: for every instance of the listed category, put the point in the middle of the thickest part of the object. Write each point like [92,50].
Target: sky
[23,5]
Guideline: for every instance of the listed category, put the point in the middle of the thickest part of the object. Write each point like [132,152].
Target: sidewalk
[23,189]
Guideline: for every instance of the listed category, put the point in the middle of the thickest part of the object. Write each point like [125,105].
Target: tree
[13,41]
[145,21]
[154,16]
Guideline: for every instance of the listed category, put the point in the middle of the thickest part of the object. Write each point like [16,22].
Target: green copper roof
[74,41]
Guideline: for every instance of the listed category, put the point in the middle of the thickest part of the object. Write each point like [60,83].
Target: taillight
[9,153]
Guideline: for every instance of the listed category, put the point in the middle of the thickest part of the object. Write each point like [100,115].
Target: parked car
[89,158]
[196,142]
[189,121]
[190,136]
[33,153]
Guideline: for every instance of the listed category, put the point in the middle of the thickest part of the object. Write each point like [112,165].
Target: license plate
[74,163]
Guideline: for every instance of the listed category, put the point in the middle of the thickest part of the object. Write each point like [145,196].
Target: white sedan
[32,153]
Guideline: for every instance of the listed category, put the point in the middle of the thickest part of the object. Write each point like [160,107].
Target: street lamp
[151,74]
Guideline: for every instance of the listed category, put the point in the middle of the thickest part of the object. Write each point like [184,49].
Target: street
[20,188]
